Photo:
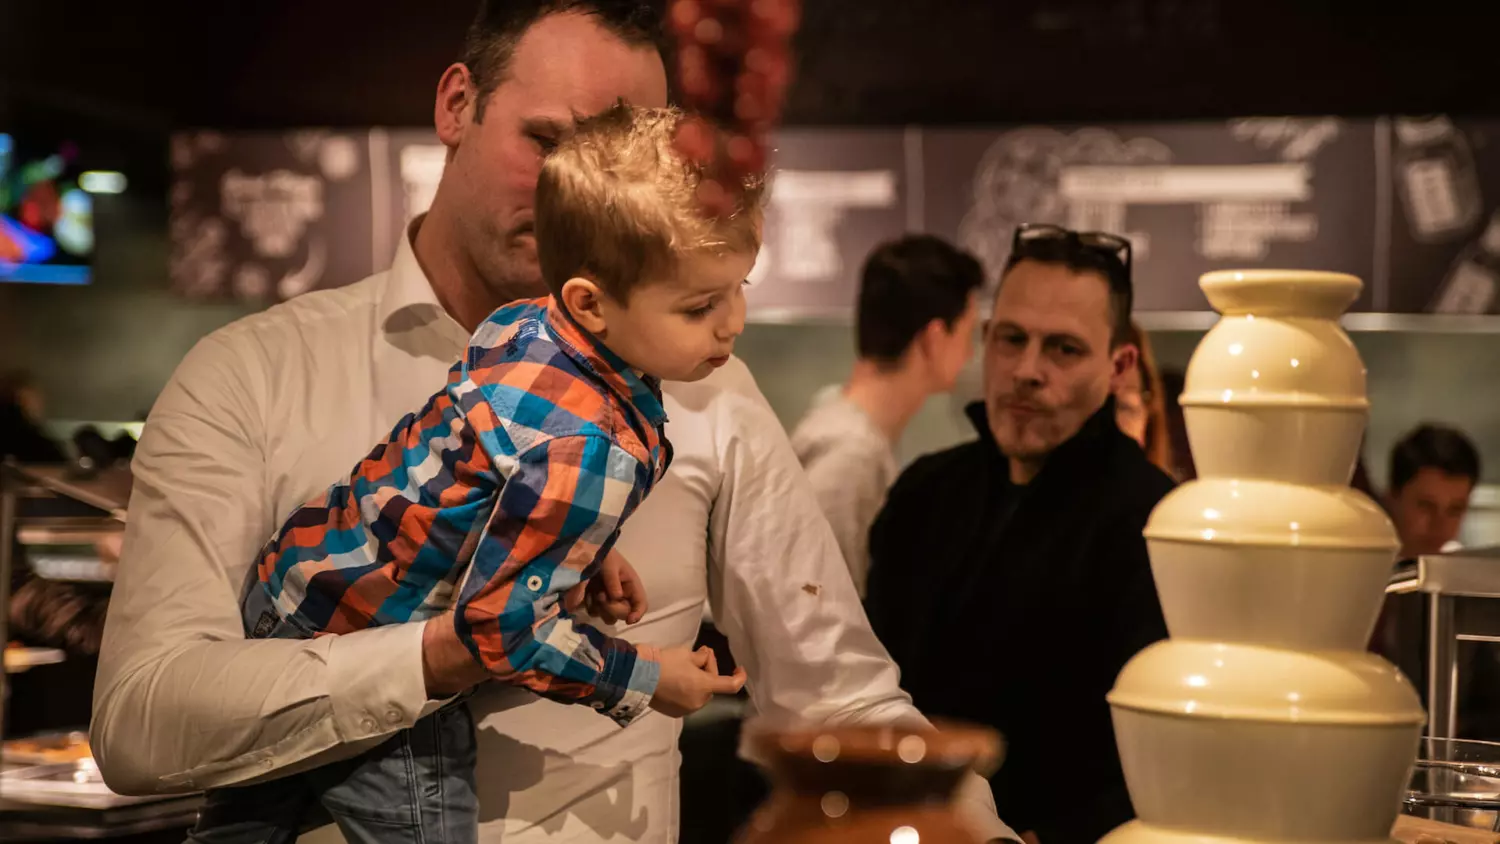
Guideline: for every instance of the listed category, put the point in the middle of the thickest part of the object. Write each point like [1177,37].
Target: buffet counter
[50,788]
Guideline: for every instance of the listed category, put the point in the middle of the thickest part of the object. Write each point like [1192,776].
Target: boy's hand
[447,666]
[612,595]
[690,679]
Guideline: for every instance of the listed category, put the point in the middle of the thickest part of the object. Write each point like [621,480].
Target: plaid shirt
[509,486]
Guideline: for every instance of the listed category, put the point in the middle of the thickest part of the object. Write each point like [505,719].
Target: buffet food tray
[46,749]
[76,784]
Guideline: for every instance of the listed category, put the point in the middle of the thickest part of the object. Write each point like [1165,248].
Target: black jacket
[1017,606]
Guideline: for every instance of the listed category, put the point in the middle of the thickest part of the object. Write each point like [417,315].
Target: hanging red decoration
[733,65]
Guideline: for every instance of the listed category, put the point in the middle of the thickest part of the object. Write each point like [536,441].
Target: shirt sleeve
[781,593]
[182,700]
[558,512]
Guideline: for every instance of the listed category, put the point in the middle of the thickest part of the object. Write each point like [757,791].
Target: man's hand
[614,594]
[447,666]
[690,679]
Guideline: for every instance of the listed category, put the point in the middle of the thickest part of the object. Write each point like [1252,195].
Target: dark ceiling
[151,66]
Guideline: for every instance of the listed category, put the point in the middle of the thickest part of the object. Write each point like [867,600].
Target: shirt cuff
[627,683]
[376,684]
[976,805]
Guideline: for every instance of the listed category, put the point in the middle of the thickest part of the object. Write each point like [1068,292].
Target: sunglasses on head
[1111,245]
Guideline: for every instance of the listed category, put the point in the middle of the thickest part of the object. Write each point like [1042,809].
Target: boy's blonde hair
[617,204]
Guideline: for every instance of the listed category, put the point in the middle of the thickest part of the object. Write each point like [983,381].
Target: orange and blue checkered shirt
[506,489]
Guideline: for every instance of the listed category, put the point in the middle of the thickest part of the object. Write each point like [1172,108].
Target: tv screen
[46,220]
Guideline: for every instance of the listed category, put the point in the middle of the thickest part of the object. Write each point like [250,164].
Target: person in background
[1433,472]
[1141,407]
[1434,469]
[913,334]
[263,412]
[23,409]
[1008,575]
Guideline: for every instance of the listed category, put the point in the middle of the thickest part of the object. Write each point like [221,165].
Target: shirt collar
[641,390]
[408,303]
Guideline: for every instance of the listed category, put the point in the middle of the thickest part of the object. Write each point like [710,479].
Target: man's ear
[931,338]
[456,104]
[1124,358]
[585,301]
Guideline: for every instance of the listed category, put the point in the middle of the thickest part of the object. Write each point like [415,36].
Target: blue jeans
[417,787]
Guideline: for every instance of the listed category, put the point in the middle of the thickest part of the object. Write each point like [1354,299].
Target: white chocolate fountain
[1262,718]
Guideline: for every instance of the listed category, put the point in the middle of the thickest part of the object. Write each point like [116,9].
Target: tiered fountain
[1262,718]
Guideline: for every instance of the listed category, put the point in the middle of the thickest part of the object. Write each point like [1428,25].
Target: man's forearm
[229,712]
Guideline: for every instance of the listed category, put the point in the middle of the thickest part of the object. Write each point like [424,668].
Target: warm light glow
[1197,681]
[1236,348]
[1211,514]
[825,748]
[904,835]
[1296,363]
[911,749]
[835,804]
[102,181]
[1228,396]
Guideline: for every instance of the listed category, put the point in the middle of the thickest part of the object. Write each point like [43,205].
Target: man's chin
[518,276]
[1023,446]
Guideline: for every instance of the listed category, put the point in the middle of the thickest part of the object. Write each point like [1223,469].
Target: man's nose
[1029,365]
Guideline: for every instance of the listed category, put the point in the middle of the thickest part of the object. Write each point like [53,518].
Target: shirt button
[367,724]
[393,716]
[534,583]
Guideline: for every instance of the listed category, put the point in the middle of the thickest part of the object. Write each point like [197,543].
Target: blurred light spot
[102,181]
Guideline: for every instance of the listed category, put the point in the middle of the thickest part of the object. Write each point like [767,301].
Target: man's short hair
[499,25]
[1432,446]
[1078,254]
[907,283]
[618,205]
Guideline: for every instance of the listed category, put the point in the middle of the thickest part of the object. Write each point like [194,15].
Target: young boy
[502,497]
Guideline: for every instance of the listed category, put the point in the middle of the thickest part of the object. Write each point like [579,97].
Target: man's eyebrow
[553,123]
[1066,337]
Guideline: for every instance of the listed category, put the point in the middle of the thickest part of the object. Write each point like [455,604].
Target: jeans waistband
[263,620]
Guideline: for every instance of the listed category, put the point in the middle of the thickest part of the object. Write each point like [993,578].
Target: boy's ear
[584,300]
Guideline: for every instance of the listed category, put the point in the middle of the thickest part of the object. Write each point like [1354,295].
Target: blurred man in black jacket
[1009,578]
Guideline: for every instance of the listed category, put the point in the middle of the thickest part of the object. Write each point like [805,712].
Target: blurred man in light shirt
[914,332]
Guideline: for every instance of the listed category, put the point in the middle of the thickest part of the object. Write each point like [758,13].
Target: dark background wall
[274,63]
[118,77]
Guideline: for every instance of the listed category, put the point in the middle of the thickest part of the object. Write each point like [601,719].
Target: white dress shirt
[266,412]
